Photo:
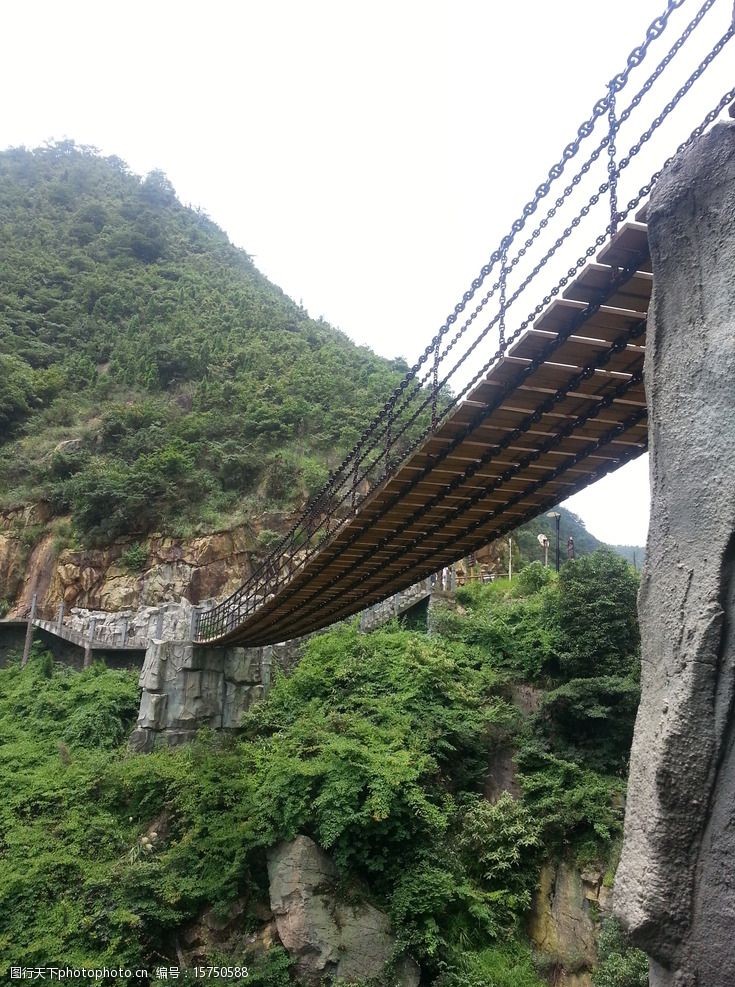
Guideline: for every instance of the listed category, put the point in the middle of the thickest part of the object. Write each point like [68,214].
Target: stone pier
[676,881]
[186,687]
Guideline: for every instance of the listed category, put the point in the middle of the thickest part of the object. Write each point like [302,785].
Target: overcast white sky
[370,155]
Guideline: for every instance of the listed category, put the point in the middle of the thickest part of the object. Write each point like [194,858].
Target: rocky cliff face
[23,549]
[198,568]
[564,924]
[674,885]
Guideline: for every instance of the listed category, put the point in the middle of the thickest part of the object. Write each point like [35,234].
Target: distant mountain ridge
[570,524]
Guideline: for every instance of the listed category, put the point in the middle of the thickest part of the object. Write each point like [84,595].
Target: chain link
[612,171]
[503,275]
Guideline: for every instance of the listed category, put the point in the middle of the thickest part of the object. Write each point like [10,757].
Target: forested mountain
[151,378]
[185,386]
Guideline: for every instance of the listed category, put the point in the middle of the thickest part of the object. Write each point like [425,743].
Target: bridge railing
[619,152]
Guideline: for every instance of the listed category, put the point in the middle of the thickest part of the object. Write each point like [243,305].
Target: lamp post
[557,515]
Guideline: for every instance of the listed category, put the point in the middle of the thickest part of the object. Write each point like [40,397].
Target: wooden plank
[610,324]
[607,323]
[508,419]
[528,400]
[551,375]
[531,397]
[530,442]
[630,240]
[578,352]
[595,279]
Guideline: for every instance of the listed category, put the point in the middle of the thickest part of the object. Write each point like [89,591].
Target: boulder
[328,937]
[69,445]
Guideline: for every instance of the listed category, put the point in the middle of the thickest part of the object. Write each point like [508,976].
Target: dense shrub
[532,578]
[363,733]
[621,965]
[109,498]
[509,965]
[16,390]
[134,558]
[598,620]
[594,718]
[499,843]
[569,801]
[377,746]
[518,635]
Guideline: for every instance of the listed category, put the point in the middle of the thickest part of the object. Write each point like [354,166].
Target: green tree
[16,390]
[593,718]
[598,621]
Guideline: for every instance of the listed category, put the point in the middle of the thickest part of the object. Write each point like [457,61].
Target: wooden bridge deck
[565,406]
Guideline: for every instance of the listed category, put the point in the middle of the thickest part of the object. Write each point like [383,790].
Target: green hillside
[151,378]
[188,388]
[379,747]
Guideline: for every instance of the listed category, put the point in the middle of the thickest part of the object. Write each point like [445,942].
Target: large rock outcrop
[676,882]
[186,687]
[564,923]
[24,547]
[197,568]
[329,937]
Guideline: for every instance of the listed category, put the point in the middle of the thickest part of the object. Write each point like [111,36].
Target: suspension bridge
[513,406]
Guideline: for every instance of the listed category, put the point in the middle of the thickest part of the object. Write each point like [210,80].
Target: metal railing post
[193,622]
[29,631]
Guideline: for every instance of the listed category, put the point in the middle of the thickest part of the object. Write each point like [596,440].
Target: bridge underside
[564,407]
